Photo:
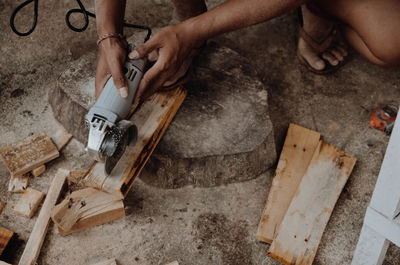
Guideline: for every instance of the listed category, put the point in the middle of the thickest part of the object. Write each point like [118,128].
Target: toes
[330,58]
[310,56]
[337,54]
[342,50]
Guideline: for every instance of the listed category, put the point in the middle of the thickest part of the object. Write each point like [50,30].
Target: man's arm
[174,43]
[112,51]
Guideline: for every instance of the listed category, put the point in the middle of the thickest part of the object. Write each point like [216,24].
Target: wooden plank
[152,119]
[298,149]
[107,262]
[302,227]
[29,202]
[38,171]
[18,183]
[5,236]
[81,210]
[35,241]
[28,154]
[386,196]
[61,138]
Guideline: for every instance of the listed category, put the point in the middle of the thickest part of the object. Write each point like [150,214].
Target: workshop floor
[194,225]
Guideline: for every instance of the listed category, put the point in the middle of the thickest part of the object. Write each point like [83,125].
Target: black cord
[86,14]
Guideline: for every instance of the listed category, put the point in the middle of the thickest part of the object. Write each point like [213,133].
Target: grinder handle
[110,104]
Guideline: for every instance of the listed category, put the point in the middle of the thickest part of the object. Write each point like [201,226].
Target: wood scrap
[107,262]
[61,138]
[298,149]
[5,236]
[75,179]
[302,227]
[35,241]
[152,119]
[82,208]
[29,202]
[18,183]
[38,171]
[28,154]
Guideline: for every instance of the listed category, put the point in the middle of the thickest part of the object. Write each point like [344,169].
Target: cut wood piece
[298,149]
[28,154]
[35,241]
[61,138]
[29,202]
[173,263]
[302,227]
[86,208]
[75,179]
[107,262]
[38,171]
[18,183]
[152,119]
[5,236]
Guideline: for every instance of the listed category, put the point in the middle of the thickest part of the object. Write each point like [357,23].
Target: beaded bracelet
[110,35]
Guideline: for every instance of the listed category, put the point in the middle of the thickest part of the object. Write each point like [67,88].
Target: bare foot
[319,29]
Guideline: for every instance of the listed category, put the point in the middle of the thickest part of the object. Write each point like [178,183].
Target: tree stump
[221,134]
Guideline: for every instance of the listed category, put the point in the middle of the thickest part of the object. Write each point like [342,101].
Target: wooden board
[107,262]
[152,119]
[18,183]
[298,149]
[61,138]
[5,236]
[29,202]
[28,154]
[302,227]
[35,241]
[38,171]
[86,208]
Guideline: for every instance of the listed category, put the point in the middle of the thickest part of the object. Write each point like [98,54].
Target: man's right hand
[110,60]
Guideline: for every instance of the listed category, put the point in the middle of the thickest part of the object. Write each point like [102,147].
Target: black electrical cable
[86,14]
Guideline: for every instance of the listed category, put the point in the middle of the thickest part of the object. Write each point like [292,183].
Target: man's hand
[174,47]
[111,57]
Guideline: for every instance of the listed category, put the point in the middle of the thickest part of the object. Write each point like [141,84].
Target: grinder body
[106,121]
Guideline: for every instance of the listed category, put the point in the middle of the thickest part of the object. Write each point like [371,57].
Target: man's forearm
[110,16]
[236,14]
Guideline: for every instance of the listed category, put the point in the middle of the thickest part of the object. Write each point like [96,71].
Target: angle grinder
[109,131]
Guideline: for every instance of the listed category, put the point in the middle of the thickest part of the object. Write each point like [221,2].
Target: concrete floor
[194,225]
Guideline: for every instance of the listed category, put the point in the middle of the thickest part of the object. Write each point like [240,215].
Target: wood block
[173,263]
[298,149]
[75,179]
[107,262]
[5,236]
[86,208]
[29,202]
[302,227]
[18,183]
[152,119]
[38,171]
[35,241]
[28,154]
[61,138]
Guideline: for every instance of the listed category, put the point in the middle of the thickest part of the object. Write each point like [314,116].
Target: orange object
[383,117]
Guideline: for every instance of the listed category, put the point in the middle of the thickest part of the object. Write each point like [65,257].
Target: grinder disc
[115,142]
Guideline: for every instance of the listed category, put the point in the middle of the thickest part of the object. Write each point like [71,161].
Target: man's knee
[388,53]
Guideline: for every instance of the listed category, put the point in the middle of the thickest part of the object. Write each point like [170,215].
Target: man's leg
[372,27]
[185,9]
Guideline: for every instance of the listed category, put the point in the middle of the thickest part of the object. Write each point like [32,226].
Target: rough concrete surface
[194,225]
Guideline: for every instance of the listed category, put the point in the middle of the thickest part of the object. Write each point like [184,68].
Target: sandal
[318,46]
